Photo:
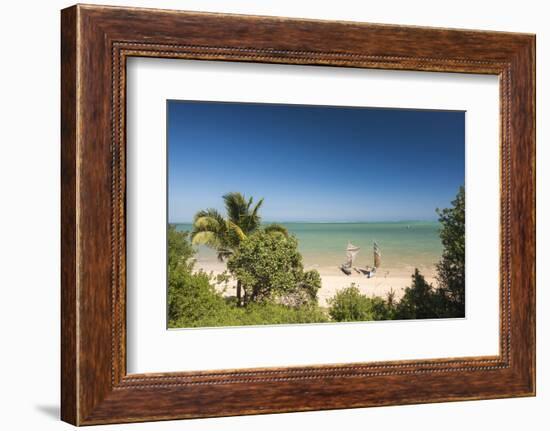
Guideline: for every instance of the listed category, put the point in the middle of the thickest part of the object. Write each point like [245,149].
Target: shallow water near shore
[404,245]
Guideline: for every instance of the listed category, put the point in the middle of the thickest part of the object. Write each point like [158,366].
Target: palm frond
[209,228]
[225,234]
[209,219]
[251,220]
[276,228]
[257,208]
[235,205]
[207,223]
[206,238]
[234,228]
[210,212]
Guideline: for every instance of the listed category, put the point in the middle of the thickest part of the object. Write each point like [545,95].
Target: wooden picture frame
[95,43]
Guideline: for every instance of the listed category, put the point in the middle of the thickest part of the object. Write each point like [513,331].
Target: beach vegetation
[451,268]
[270,313]
[180,250]
[424,301]
[225,234]
[272,285]
[420,300]
[350,305]
[194,301]
[270,269]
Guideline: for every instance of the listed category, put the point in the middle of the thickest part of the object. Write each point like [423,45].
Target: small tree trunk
[239,293]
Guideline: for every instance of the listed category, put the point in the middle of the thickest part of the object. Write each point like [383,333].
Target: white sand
[333,280]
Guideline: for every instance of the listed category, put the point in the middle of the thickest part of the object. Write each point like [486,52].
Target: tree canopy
[267,266]
[451,269]
[226,234]
[350,305]
[447,299]
[270,267]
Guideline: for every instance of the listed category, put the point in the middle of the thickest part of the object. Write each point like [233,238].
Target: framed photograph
[267,215]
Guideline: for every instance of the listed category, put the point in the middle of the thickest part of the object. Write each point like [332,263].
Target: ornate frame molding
[96,41]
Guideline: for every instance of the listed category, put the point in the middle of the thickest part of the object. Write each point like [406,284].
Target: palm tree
[225,234]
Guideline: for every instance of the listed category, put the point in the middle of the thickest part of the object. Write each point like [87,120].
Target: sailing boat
[368,271]
[351,252]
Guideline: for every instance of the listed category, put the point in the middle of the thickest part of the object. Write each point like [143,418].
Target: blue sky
[314,163]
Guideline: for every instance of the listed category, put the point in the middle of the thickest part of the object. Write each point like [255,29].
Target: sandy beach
[334,280]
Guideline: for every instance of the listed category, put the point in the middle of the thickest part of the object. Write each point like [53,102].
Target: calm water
[404,245]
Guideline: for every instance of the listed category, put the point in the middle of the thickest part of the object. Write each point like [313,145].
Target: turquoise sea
[403,245]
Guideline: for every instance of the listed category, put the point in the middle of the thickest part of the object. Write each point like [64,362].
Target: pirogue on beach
[351,253]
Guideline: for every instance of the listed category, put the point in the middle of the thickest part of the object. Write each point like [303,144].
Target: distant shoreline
[404,246]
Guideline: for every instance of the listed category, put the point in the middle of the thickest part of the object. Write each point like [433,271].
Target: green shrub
[350,305]
[451,268]
[420,301]
[274,314]
[180,251]
[270,268]
[447,299]
[193,301]
[309,285]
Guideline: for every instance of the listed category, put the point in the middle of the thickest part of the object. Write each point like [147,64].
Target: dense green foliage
[308,286]
[451,268]
[270,268]
[272,314]
[447,299]
[420,301]
[194,302]
[350,305]
[226,234]
[180,251]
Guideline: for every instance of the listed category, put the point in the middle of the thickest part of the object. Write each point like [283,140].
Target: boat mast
[377,255]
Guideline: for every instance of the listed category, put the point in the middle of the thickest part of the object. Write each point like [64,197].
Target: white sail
[351,252]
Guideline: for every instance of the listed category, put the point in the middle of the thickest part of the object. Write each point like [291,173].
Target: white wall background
[29,215]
